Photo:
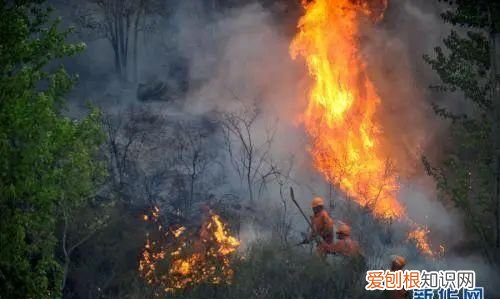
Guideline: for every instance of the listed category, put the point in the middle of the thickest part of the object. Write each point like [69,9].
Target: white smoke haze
[240,58]
[243,58]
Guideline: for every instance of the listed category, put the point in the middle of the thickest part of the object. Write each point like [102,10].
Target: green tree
[46,159]
[469,175]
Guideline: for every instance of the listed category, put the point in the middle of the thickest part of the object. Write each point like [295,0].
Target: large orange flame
[343,102]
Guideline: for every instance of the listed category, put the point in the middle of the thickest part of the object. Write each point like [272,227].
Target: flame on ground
[182,259]
[419,235]
[342,104]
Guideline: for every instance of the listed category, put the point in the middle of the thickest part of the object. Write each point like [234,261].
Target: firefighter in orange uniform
[322,226]
[345,245]
[350,261]
[398,263]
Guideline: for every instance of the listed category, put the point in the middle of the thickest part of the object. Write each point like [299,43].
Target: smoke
[242,58]
[394,50]
[239,60]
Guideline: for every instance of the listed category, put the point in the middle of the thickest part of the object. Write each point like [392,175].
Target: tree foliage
[46,159]
[467,176]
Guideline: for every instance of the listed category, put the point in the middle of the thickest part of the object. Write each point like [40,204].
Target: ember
[182,258]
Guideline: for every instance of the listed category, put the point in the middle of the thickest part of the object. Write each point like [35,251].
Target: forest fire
[419,235]
[343,101]
[181,258]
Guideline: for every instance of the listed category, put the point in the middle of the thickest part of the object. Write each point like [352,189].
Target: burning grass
[181,258]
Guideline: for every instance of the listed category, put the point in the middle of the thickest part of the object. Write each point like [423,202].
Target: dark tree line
[469,67]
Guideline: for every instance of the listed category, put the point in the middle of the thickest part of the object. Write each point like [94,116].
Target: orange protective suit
[397,294]
[323,226]
[398,263]
[346,247]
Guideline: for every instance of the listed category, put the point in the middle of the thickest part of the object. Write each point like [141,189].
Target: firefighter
[398,263]
[345,245]
[349,260]
[322,226]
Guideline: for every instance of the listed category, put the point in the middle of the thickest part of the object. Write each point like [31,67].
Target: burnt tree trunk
[114,39]
[121,47]
[136,36]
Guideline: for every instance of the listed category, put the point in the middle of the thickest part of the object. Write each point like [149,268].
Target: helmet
[317,201]
[344,229]
[398,261]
